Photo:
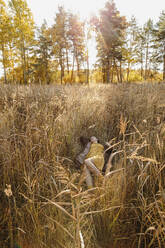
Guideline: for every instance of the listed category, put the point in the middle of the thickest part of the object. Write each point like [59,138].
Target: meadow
[43,203]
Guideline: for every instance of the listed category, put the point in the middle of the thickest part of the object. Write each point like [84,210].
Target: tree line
[59,53]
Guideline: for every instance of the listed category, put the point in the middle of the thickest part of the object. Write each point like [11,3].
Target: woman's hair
[84,140]
[93,139]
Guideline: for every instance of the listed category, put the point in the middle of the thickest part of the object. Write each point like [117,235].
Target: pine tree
[130,46]
[76,36]
[111,26]
[148,39]
[58,34]
[43,55]
[160,33]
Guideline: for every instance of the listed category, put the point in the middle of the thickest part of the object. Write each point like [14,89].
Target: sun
[85,8]
[47,9]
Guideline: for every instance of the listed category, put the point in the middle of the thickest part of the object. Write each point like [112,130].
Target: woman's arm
[81,157]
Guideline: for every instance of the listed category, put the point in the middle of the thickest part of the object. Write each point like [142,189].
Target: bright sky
[141,9]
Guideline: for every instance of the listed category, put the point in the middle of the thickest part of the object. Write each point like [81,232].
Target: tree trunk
[78,66]
[141,65]
[67,60]
[47,74]
[111,71]
[164,65]
[103,73]
[121,74]
[128,71]
[61,66]
[117,72]
[4,64]
[12,64]
[146,64]
[23,62]
[62,72]
[72,68]
[87,71]
[108,71]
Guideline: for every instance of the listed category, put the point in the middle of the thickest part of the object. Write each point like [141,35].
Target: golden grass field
[46,205]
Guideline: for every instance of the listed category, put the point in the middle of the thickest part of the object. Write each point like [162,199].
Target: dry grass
[39,131]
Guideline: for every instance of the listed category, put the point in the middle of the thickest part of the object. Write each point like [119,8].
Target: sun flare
[85,8]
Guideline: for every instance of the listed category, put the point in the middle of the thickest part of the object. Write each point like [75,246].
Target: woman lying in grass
[92,158]
[94,161]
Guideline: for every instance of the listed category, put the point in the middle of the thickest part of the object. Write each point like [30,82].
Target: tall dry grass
[47,205]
